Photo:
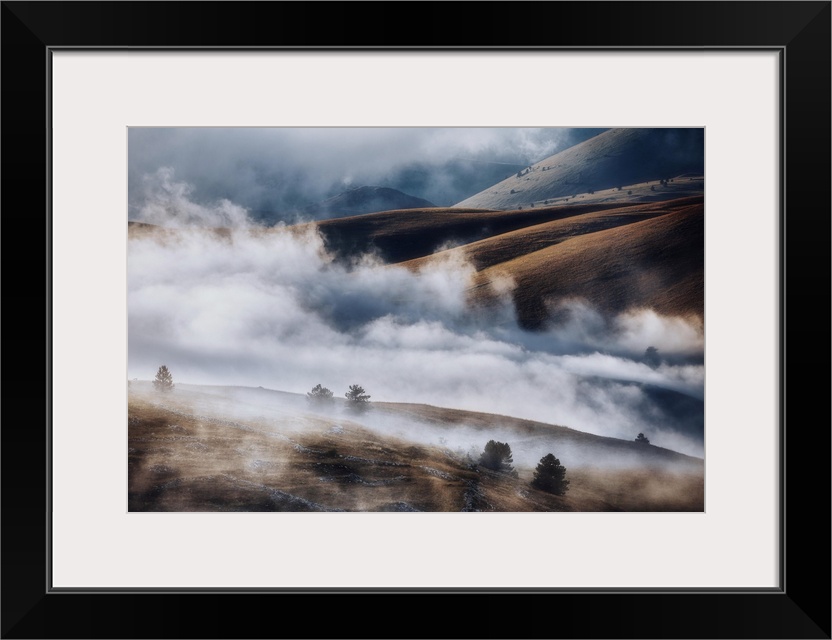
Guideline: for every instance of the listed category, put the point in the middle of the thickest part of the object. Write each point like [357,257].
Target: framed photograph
[489,308]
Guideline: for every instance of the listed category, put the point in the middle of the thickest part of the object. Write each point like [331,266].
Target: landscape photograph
[415,319]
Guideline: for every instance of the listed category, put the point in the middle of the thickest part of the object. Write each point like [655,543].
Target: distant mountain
[452,180]
[615,158]
[366,200]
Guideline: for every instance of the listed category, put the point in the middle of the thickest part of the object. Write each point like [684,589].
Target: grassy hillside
[656,264]
[640,256]
[217,450]
[615,158]
[407,234]
[582,220]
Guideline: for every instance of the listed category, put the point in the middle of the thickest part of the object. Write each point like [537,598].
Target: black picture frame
[799,31]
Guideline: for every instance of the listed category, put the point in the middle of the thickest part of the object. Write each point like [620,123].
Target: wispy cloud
[272,309]
[274,171]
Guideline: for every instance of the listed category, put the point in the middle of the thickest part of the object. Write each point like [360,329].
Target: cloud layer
[273,172]
[272,309]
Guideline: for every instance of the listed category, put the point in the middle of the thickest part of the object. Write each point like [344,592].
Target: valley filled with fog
[249,315]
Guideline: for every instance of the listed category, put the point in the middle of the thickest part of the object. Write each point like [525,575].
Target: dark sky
[273,172]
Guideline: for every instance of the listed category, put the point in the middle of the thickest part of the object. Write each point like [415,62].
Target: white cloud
[278,169]
[167,203]
[272,309]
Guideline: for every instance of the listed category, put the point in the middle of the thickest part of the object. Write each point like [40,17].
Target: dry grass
[184,457]
[552,437]
[656,264]
[536,236]
[398,236]
[593,489]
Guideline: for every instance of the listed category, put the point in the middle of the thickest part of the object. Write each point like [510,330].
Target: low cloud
[275,172]
[167,203]
[271,308]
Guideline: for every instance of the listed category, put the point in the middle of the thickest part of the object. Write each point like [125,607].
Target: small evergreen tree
[163,380]
[550,476]
[319,396]
[652,358]
[642,439]
[497,457]
[356,398]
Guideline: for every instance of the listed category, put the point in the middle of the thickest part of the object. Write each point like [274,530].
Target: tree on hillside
[641,438]
[550,475]
[319,396]
[357,399]
[652,358]
[163,380]
[497,457]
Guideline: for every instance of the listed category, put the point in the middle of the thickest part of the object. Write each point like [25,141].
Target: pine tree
[320,396]
[497,457]
[652,358]
[642,439]
[164,380]
[550,475]
[356,398]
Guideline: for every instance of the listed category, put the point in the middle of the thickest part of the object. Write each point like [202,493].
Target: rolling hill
[614,257]
[649,256]
[398,236]
[615,158]
[244,449]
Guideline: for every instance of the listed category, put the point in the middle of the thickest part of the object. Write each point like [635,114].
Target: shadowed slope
[414,233]
[513,244]
[656,264]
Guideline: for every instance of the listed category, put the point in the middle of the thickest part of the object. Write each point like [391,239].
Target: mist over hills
[245,449]
[614,258]
[274,173]
[535,298]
